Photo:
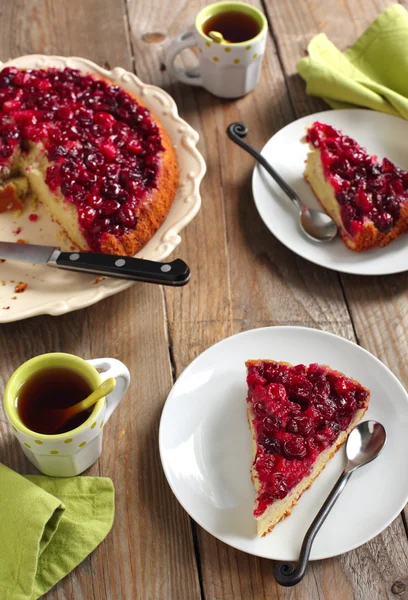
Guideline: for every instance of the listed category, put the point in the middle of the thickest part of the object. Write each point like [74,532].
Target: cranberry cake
[367,199]
[90,152]
[299,417]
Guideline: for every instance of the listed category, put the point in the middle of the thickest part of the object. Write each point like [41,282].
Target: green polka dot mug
[67,454]
[227,69]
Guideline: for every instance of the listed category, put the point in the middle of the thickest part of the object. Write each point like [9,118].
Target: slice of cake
[98,160]
[299,417]
[367,199]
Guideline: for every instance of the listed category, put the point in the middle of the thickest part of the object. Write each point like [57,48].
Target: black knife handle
[175,273]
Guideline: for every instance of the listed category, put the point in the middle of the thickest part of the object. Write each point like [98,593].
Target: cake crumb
[14,298]
[20,287]
[33,217]
[2,282]
[17,231]
[6,308]
[21,241]
[98,279]
[2,260]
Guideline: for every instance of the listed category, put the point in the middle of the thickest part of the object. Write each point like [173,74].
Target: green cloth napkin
[47,527]
[373,73]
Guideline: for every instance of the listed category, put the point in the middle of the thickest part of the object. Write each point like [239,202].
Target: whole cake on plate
[90,152]
[367,199]
[299,417]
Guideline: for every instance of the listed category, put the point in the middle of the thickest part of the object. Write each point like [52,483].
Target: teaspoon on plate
[364,444]
[315,224]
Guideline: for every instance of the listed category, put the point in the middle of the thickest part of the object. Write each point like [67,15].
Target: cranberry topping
[104,148]
[365,189]
[296,420]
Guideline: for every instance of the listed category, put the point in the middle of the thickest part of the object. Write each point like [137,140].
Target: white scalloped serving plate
[55,292]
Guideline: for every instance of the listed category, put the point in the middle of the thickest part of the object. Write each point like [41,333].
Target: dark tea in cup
[235,26]
[49,389]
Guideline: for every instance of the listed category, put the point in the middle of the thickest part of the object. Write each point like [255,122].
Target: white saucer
[381,134]
[205,446]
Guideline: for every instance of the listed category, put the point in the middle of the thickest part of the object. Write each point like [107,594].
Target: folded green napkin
[47,527]
[373,73]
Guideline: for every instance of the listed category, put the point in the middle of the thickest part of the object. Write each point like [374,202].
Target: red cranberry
[87,216]
[301,425]
[86,179]
[278,486]
[65,113]
[374,170]
[271,371]
[56,152]
[104,119]
[21,79]
[327,408]
[94,161]
[361,397]
[108,150]
[364,202]
[276,391]
[270,444]
[111,189]
[272,423]
[300,386]
[95,201]
[265,464]
[260,410]
[342,385]
[110,207]
[73,133]
[345,404]
[294,447]
[355,227]
[347,214]
[134,146]
[126,216]
[254,379]
[388,166]
[283,375]
[321,388]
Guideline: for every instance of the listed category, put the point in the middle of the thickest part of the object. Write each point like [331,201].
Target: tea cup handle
[183,41]
[111,367]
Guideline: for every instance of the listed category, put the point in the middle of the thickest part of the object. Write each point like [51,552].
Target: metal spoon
[315,224]
[364,444]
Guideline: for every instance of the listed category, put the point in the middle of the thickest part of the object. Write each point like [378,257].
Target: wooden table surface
[242,278]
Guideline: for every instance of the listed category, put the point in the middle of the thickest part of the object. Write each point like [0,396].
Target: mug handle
[183,41]
[112,368]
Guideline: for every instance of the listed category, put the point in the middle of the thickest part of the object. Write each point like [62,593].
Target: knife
[175,273]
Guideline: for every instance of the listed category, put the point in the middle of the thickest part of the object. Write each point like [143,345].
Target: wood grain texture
[149,553]
[242,276]
[378,305]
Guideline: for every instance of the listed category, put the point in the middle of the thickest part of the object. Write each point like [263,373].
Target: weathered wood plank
[378,305]
[262,283]
[149,553]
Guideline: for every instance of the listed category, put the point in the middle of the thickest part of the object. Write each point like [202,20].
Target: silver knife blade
[28,252]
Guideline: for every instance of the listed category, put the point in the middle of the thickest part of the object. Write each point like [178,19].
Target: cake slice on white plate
[367,199]
[299,417]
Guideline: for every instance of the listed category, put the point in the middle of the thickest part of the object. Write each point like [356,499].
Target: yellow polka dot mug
[227,68]
[67,454]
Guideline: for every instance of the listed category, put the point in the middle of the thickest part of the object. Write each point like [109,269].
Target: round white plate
[205,446]
[383,135]
[55,292]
